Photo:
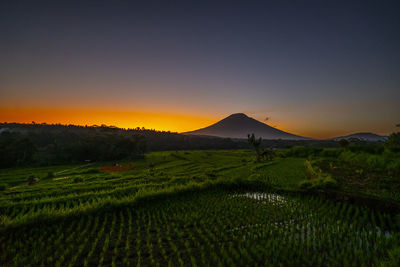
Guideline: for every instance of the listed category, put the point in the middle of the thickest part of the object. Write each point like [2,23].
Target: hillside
[363,137]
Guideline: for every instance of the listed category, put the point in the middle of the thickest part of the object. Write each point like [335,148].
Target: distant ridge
[362,136]
[239,125]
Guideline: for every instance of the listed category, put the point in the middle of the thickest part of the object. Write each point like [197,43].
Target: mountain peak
[239,125]
[238,116]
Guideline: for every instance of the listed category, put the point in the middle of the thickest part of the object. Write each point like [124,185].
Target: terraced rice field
[186,209]
[210,228]
[75,189]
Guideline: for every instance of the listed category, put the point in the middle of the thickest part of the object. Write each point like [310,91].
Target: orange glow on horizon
[123,119]
[161,121]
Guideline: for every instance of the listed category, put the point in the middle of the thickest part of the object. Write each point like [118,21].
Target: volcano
[239,125]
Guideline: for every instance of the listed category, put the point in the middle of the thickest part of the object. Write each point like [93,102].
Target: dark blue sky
[316,68]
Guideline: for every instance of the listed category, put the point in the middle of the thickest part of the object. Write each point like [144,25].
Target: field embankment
[189,207]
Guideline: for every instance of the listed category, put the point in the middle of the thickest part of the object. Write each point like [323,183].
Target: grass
[184,208]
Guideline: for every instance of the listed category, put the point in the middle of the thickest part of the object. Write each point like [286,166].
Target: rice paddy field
[193,208]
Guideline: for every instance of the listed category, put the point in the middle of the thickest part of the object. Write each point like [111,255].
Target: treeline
[47,144]
[44,144]
[46,148]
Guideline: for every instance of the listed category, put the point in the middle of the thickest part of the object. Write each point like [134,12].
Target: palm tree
[255,143]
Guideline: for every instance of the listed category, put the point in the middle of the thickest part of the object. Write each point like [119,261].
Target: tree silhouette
[255,143]
[343,143]
[393,142]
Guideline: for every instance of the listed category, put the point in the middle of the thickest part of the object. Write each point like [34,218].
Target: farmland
[199,208]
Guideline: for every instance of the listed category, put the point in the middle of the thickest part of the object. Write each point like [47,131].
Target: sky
[313,68]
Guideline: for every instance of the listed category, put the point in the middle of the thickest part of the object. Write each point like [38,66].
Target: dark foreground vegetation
[223,208]
[311,205]
[212,228]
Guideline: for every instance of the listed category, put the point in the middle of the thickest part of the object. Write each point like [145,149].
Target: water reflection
[306,223]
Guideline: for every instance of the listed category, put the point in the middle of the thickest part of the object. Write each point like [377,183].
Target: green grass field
[193,208]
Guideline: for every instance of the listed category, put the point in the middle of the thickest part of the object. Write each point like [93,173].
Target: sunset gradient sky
[315,68]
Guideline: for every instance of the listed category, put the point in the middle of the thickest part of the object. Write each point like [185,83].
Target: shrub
[311,172]
[369,161]
[32,180]
[283,153]
[78,179]
[329,182]
[346,156]
[376,162]
[325,182]
[393,166]
[343,143]
[371,149]
[303,152]
[317,179]
[3,187]
[393,142]
[299,151]
[50,175]
[330,152]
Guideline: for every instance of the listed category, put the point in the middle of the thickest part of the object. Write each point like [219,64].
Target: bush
[393,166]
[329,182]
[300,151]
[283,153]
[330,152]
[371,149]
[50,175]
[78,179]
[325,182]
[392,258]
[383,161]
[311,172]
[317,179]
[359,158]
[343,143]
[32,180]
[376,162]
[393,142]
[3,187]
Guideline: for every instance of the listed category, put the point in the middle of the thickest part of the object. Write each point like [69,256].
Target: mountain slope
[239,125]
[363,136]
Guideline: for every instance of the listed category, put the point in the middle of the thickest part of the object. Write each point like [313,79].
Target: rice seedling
[180,217]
